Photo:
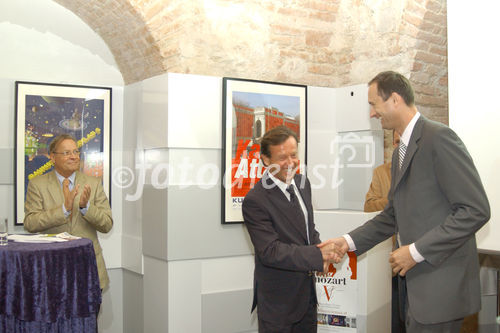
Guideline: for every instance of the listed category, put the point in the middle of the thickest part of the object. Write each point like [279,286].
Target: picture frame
[45,110]
[249,109]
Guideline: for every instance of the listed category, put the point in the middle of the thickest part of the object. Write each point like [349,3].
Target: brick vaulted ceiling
[316,42]
[123,27]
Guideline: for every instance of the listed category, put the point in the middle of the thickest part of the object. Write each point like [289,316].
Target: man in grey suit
[436,205]
[278,214]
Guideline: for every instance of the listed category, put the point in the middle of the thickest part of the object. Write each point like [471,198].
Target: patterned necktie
[294,201]
[402,153]
[67,183]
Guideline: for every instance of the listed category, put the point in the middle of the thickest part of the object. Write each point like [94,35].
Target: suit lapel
[411,150]
[305,197]
[76,203]
[279,200]
[78,179]
[55,188]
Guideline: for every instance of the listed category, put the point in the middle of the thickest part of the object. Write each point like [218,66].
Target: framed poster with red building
[250,109]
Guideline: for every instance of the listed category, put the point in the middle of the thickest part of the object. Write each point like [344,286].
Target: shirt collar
[281,185]
[405,137]
[61,178]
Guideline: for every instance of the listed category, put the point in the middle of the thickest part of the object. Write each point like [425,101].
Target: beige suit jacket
[43,212]
[376,198]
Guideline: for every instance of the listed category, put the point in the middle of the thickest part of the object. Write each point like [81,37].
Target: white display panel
[473,57]
[344,146]
[184,243]
[194,111]
[373,309]
[321,131]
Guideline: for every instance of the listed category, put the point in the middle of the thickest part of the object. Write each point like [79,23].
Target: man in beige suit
[376,197]
[66,200]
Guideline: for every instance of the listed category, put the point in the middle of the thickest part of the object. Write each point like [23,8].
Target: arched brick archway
[122,26]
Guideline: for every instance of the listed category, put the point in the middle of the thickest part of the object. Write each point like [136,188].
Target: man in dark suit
[436,205]
[279,217]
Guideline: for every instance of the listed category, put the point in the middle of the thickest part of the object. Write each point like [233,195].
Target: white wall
[44,42]
[62,49]
[473,57]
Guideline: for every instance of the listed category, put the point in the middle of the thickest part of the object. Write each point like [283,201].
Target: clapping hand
[84,198]
[69,196]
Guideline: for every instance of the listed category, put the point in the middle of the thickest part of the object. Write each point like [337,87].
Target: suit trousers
[308,323]
[397,322]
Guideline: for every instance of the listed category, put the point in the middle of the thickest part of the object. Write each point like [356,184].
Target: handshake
[333,250]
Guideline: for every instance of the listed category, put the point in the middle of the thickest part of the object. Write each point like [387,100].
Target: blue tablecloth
[49,287]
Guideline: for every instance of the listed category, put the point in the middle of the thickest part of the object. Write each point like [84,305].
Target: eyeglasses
[67,153]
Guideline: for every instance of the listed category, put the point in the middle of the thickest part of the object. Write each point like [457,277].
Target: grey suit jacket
[43,212]
[282,285]
[438,202]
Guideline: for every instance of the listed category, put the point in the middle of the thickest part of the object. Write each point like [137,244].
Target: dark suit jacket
[282,285]
[436,201]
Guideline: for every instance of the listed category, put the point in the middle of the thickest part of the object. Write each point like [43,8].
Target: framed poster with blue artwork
[45,110]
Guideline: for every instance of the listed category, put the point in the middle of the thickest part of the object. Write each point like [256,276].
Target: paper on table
[67,236]
[36,238]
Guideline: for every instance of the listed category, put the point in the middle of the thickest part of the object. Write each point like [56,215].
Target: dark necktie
[294,202]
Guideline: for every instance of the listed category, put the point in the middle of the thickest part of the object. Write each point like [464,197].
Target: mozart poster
[337,293]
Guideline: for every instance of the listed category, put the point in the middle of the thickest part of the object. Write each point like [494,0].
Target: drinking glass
[4,228]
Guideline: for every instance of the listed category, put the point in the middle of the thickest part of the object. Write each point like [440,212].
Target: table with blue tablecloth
[49,287]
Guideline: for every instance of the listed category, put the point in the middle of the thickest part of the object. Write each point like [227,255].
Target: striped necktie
[402,152]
